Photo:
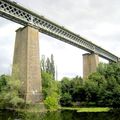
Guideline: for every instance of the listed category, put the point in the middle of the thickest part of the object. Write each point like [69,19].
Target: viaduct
[26,52]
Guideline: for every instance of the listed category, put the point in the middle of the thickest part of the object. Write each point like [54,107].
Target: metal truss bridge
[19,14]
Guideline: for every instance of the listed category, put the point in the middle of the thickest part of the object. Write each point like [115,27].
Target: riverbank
[89,109]
[32,108]
[37,109]
[59,115]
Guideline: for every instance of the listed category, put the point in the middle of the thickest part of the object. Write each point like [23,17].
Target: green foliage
[102,68]
[52,101]
[77,90]
[47,65]
[46,83]
[50,87]
[102,88]
[71,90]
[66,99]
[105,85]
[51,91]
[10,91]
[65,85]
[52,66]
[3,81]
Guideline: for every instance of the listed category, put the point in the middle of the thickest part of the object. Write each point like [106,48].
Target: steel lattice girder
[17,13]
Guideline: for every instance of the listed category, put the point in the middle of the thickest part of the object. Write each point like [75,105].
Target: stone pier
[26,58]
[90,63]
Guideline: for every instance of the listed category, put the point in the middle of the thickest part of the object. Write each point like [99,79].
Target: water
[59,115]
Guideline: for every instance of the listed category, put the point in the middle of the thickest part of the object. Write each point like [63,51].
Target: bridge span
[19,14]
[26,52]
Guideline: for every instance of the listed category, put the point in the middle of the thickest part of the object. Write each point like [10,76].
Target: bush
[10,92]
[52,101]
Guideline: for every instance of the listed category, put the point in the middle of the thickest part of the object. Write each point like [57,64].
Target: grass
[82,109]
[93,109]
[90,109]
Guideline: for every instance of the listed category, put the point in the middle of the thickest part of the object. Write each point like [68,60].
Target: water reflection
[59,115]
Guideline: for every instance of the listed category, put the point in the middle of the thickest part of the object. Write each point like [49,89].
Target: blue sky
[98,21]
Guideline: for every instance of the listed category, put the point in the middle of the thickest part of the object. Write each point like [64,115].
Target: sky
[97,21]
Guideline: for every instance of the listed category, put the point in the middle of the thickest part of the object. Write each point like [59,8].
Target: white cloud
[107,29]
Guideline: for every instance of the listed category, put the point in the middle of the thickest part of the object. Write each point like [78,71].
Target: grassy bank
[38,109]
[94,109]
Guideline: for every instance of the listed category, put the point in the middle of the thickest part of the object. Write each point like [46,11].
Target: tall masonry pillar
[90,63]
[26,58]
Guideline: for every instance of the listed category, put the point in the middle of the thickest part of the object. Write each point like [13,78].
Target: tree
[102,88]
[3,81]
[47,65]
[72,90]
[10,93]
[43,66]
[46,83]
[102,68]
[66,99]
[77,90]
[52,66]
[51,91]
[105,84]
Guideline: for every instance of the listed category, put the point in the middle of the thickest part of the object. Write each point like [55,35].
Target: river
[59,115]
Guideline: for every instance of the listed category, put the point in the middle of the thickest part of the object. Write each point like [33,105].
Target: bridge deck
[19,14]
